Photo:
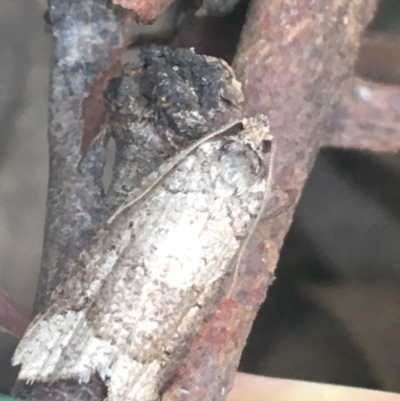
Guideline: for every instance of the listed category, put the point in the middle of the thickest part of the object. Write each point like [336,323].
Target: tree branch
[87,41]
[293,60]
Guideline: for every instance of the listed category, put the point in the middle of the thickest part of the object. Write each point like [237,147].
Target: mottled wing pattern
[144,286]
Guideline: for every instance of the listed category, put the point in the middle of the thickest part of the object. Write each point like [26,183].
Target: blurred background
[332,314]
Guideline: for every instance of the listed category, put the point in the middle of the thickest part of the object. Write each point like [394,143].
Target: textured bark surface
[293,60]
[87,39]
[85,48]
[160,109]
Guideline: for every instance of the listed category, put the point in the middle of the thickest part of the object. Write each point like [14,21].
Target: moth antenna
[268,187]
[170,167]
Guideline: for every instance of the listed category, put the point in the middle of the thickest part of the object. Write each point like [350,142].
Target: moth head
[256,133]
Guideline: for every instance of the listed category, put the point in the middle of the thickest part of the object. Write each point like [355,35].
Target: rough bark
[293,61]
[85,54]
[87,42]
[157,109]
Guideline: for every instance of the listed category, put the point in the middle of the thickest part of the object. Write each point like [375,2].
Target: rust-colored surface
[293,61]
[145,11]
[367,118]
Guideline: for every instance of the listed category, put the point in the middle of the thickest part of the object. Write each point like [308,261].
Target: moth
[145,285]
